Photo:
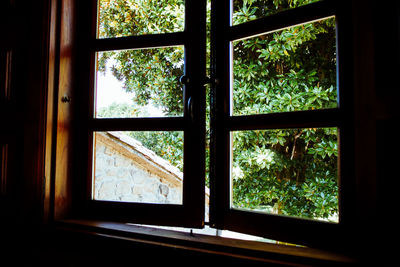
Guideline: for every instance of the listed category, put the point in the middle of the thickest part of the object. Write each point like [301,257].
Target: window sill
[252,251]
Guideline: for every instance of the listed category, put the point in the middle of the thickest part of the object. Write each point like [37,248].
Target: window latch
[211,80]
[66,99]
[184,79]
[190,108]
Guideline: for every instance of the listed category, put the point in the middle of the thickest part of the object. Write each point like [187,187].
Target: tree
[168,145]
[120,110]
[153,74]
[285,171]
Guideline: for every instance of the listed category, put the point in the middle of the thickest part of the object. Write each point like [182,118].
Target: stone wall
[127,171]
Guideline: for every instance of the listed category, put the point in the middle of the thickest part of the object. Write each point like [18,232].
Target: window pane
[141,167]
[140,83]
[120,18]
[289,70]
[247,10]
[290,172]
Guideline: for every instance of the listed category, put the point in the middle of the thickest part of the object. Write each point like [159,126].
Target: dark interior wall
[22,113]
[387,70]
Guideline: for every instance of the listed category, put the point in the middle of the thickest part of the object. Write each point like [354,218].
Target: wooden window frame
[192,123]
[70,188]
[285,228]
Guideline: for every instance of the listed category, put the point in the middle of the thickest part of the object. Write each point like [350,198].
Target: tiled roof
[146,153]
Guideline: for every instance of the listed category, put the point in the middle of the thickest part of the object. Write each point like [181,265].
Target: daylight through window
[272,113]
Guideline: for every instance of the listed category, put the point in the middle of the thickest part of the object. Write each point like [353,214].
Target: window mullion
[138,124]
[138,42]
[281,20]
[296,119]
[194,97]
[219,111]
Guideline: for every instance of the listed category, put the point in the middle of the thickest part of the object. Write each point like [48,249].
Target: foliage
[285,171]
[120,110]
[290,171]
[131,17]
[247,10]
[168,145]
[153,74]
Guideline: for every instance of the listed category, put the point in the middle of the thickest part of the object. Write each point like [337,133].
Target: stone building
[126,171]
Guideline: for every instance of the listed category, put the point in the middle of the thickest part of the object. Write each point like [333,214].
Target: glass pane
[289,172]
[120,18]
[139,167]
[247,10]
[289,70]
[140,83]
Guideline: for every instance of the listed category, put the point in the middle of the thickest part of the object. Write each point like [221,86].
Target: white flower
[265,159]
[237,173]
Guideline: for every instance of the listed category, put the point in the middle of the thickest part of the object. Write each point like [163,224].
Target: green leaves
[247,10]
[287,171]
[120,111]
[324,149]
[128,17]
[152,74]
[168,145]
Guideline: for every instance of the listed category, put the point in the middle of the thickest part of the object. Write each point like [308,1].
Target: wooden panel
[6,45]
[32,64]
[5,74]
[22,92]
[7,117]
[7,179]
[53,60]
[263,252]
[3,169]
[63,168]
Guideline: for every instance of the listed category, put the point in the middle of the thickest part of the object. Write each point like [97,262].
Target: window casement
[188,210]
[225,122]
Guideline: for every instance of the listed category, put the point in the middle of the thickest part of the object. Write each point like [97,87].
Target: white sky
[110,90]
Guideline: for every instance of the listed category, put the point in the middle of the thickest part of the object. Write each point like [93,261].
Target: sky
[110,90]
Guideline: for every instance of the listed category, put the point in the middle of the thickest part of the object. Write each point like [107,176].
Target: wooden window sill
[206,244]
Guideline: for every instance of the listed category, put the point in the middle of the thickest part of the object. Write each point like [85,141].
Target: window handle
[184,79]
[211,80]
[190,108]
[66,99]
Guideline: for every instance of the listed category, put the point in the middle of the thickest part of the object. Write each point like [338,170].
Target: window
[178,48]
[261,137]
[278,114]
